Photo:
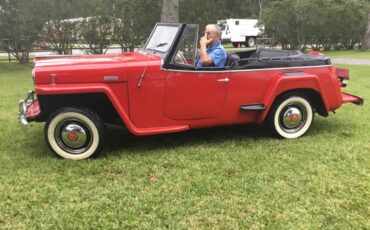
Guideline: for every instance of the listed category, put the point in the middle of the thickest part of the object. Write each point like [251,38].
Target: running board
[253,107]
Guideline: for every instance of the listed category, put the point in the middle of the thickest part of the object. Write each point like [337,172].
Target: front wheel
[291,116]
[74,133]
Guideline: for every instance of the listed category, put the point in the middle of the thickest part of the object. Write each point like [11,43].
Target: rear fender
[291,82]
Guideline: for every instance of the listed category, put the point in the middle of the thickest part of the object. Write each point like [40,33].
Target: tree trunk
[260,4]
[366,40]
[170,11]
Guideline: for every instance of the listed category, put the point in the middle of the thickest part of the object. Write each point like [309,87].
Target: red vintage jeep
[158,89]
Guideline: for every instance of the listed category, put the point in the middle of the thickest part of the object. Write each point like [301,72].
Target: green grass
[230,177]
[355,54]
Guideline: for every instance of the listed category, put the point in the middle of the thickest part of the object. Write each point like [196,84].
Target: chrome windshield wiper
[161,44]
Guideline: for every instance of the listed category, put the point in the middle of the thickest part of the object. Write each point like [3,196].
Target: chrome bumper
[23,106]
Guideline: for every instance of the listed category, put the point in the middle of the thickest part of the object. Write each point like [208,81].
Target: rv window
[236,22]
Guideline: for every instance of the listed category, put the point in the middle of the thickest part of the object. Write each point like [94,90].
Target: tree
[20,26]
[94,24]
[319,24]
[202,12]
[366,40]
[97,32]
[133,28]
[286,29]
[170,11]
[60,24]
[245,8]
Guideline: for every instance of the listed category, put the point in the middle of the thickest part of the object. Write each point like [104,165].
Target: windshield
[162,38]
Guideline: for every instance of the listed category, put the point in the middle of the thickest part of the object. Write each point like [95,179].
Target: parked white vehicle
[240,31]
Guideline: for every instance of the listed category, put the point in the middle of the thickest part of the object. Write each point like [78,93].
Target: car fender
[59,89]
[286,82]
[55,89]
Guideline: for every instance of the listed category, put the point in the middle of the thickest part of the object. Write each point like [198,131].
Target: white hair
[216,29]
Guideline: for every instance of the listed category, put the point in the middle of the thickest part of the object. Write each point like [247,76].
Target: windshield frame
[152,49]
[185,32]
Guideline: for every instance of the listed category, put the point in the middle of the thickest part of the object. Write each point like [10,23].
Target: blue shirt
[218,55]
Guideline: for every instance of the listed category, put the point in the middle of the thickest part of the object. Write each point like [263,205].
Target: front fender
[116,93]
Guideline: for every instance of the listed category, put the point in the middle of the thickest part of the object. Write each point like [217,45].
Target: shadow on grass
[121,141]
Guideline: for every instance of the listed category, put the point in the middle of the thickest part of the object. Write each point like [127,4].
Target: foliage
[202,12]
[133,29]
[97,32]
[320,24]
[236,177]
[245,8]
[19,26]
[60,30]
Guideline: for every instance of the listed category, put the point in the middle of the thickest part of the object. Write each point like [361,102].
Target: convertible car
[158,89]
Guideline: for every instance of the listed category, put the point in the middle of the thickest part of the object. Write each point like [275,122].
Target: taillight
[343,76]
[342,73]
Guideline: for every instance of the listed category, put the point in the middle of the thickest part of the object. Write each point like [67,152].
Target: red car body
[150,92]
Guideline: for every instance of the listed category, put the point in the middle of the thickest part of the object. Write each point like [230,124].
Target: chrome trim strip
[53,76]
[245,70]
[110,78]
[194,71]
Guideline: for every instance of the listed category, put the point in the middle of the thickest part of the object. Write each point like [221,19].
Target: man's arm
[204,58]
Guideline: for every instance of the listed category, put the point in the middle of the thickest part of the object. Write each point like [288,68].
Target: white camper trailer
[240,31]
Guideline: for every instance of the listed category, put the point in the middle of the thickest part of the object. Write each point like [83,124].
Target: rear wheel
[251,41]
[75,133]
[291,116]
[236,44]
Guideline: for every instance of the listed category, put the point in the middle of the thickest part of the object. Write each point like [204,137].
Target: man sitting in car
[212,53]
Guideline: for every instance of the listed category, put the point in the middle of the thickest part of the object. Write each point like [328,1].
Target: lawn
[351,54]
[228,177]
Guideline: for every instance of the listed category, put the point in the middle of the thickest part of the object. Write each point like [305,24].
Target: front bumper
[29,108]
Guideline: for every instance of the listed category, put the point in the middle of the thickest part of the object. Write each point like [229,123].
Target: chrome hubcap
[293,117]
[73,136]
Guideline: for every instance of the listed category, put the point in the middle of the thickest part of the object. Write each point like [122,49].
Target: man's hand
[204,41]
[204,58]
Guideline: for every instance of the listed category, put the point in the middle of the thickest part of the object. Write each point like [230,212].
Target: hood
[90,68]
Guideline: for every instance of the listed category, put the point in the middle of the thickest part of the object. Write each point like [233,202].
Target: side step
[253,107]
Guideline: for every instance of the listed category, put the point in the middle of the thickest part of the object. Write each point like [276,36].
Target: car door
[190,93]
[195,95]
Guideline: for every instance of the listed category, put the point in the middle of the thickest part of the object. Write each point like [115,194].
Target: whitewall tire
[75,133]
[291,116]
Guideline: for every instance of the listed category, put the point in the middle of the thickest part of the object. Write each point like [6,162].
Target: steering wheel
[180,59]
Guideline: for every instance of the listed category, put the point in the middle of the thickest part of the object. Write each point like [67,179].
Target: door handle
[225,80]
